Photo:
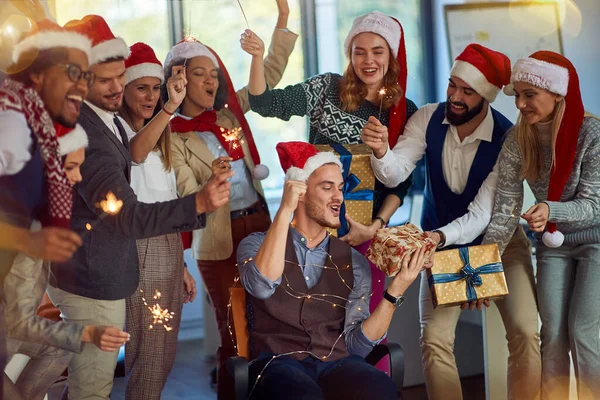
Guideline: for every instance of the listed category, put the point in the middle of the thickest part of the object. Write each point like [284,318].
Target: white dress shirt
[108,118]
[15,142]
[457,157]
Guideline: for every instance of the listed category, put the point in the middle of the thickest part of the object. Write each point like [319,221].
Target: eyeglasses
[75,74]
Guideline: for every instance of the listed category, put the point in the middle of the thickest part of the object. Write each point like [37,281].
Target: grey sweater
[577,215]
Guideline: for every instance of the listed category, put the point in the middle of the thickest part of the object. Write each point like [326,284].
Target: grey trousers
[46,365]
[568,280]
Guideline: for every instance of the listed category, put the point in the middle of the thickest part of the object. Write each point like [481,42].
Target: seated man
[308,293]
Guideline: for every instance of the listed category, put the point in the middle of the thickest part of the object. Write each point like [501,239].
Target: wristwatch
[442,238]
[396,301]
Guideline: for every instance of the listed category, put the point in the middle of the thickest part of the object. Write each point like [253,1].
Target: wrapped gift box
[359,183]
[467,274]
[391,246]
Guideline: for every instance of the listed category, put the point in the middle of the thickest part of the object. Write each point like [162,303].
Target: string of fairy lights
[342,302]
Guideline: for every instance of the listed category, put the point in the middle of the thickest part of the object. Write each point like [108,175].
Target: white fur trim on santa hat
[45,40]
[74,140]
[538,73]
[312,164]
[379,23]
[476,79]
[144,70]
[186,50]
[113,48]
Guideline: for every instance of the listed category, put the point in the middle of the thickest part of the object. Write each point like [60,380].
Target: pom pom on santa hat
[70,139]
[486,71]
[554,72]
[300,159]
[105,45]
[47,35]
[142,63]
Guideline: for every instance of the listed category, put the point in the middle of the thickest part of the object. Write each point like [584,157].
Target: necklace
[310,239]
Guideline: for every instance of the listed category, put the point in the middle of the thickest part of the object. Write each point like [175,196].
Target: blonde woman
[557,150]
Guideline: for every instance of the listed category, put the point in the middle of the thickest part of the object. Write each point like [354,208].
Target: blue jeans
[311,379]
[568,278]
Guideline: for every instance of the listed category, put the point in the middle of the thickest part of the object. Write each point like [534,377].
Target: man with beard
[461,139]
[91,288]
[314,348]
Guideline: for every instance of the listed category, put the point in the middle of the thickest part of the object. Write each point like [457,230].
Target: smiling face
[203,82]
[141,96]
[72,165]
[463,103]
[107,91]
[370,58]
[62,97]
[324,197]
[535,104]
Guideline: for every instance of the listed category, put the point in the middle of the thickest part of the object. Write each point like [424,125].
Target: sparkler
[382,92]
[243,13]
[234,137]
[109,206]
[160,316]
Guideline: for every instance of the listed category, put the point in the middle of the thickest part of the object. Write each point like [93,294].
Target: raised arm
[145,140]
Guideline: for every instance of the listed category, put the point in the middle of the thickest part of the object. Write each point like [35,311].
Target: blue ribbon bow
[469,274]
[351,182]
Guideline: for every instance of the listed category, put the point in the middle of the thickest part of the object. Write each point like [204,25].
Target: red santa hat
[553,72]
[483,69]
[70,139]
[190,48]
[300,159]
[391,30]
[47,35]
[105,45]
[142,63]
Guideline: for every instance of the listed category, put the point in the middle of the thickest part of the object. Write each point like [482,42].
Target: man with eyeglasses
[43,87]
[92,287]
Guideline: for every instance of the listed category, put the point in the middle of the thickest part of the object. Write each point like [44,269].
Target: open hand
[537,217]
[359,233]
[375,135]
[252,44]
[408,273]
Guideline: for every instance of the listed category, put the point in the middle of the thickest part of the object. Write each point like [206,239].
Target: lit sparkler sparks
[234,137]
[160,316]
[109,206]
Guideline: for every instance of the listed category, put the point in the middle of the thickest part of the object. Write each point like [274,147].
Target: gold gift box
[455,293]
[360,211]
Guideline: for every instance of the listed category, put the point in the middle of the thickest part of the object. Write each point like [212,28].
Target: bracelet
[378,218]
[167,112]
[442,238]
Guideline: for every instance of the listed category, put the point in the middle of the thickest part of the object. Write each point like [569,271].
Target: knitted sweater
[577,215]
[319,99]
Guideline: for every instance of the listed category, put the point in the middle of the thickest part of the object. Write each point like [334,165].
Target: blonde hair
[164,142]
[353,91]
[529,143]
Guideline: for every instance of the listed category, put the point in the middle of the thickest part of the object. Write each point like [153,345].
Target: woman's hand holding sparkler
[252,44]
[176,88]
[375,135]
[106,338]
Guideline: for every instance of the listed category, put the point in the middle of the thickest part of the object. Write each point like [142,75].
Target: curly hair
[353,91]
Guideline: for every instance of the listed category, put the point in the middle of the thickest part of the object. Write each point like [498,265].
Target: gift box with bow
[467,274]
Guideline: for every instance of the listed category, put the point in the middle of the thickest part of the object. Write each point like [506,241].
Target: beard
[67,124]
[460,119]
[317,214]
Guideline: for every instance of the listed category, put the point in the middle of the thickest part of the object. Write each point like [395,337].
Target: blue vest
[440,205]
[22,198]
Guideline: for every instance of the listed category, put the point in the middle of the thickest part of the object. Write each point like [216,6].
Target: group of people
[84,117]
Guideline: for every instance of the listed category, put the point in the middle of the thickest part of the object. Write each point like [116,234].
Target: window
[134,20]
[222,33]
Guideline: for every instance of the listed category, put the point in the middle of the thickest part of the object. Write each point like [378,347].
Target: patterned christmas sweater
[577,215]
[319,99]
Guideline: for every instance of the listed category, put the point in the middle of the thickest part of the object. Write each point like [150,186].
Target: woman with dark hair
[341,107]
[149,356]
[211,135]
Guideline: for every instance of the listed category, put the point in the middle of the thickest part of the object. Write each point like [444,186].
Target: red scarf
[24,99]
[207,122]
